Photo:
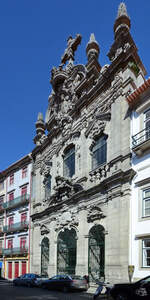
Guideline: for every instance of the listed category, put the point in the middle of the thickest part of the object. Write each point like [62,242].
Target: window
[99,152]
[1,185]
[47,186]
[146,203]
[24,172]
[10,244]
[24,192]
[69,162]
[11,196]
[11,179]
[23,217]
[23,241]
[0,247]
[1,201]
[146,252]
[147,123]
[10,221]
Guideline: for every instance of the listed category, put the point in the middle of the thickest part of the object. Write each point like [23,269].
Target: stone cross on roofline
[72,45]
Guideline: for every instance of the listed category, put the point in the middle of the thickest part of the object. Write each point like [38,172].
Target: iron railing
[141,137]
[16,227]
[16,201]
[14,251]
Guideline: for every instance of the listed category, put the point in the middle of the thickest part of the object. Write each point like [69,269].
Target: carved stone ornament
[117,89]
[46,165]
[95,213]
[100,173]
[44,229]
[97,128]
[67,219]
[72,45]
[64,189]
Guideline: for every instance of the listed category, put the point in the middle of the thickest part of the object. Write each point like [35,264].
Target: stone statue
[72,45]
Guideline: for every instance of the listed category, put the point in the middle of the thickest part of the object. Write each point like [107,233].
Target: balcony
[15,251]
[20,226]
[141,141]
[16,202]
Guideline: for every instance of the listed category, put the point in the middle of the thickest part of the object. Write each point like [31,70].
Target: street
[10,292]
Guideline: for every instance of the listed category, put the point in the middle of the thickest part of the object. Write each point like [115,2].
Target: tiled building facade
[14,218]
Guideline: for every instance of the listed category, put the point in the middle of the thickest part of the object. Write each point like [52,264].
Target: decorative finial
[40,117]
[122,21]
[92,48]
[40,125]
[122,10]
[92,38]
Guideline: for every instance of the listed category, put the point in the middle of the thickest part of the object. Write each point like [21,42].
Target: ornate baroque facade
[82,167]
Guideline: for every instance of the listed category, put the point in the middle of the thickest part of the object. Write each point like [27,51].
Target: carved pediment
[95,213]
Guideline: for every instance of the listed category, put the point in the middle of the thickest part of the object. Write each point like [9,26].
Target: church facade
[82,172]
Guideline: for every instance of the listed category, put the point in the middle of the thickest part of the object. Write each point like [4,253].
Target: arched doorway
[66,252]
[44,256]
[96,261]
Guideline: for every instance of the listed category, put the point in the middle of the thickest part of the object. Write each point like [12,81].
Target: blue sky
[33,36]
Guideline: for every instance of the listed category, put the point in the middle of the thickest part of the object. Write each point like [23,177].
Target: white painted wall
[138,226]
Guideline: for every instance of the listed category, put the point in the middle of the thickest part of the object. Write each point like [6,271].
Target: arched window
[47,186]
[66,251]
[69,162]
[96,263]
[99,156]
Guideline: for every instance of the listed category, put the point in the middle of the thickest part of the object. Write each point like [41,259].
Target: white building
[139,102]
[14,218]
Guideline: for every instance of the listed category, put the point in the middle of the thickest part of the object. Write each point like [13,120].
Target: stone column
[82,245]
[36,250]
[52,268]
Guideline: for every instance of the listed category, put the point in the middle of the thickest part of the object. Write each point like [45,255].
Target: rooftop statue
[72,45]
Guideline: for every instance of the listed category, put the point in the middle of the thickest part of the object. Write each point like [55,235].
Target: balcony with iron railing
[16,202]
[15,251]
[19,226]
[141,141]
